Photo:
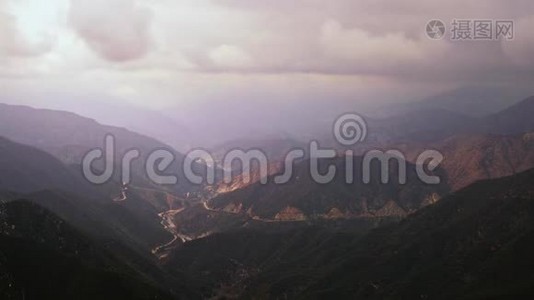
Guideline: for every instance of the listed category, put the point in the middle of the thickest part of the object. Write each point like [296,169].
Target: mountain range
[469,236]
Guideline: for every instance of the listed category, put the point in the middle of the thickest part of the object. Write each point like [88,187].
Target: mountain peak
[517,119]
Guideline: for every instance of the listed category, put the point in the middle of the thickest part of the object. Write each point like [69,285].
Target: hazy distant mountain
[141,120]
[421,125]
[69,137]
[513,120]
[26,169]
[275,148]
[471,101]
[432,125]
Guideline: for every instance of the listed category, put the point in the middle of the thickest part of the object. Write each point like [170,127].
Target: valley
[255,240]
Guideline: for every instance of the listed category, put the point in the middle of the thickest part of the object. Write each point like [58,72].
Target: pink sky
[167,53]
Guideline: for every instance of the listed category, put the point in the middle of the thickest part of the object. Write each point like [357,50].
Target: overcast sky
[178,53]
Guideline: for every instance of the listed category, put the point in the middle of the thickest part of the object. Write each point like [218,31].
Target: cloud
[205,50]
[520,50]
[118,30]
[14,43]
[230,56]
[359,47]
